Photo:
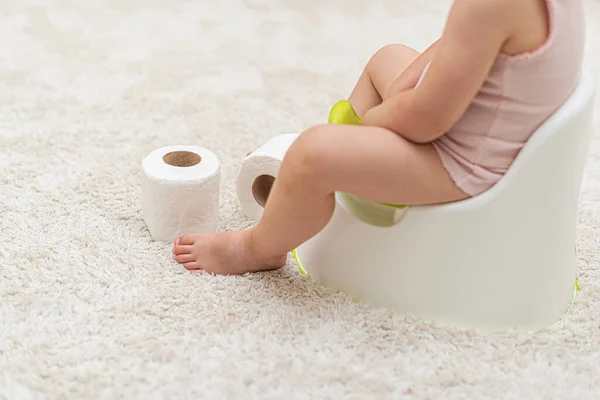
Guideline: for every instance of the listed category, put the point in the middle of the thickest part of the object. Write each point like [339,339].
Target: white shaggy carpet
[91,308]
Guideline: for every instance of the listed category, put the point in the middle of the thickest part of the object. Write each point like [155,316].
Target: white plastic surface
[505,258]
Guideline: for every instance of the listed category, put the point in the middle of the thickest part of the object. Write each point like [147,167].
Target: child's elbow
[430,128]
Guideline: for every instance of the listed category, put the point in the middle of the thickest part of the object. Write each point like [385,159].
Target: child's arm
[475,33]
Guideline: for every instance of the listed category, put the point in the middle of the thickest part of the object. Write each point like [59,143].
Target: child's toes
[184,258]
[182,249]
[186,239]
[192,266]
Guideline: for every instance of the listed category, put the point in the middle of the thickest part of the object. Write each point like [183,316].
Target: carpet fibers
[91,308]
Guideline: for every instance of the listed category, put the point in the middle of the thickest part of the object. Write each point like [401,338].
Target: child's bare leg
[370,162]
[379,74]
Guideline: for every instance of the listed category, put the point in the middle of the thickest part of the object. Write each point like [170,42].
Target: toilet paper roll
[180,191]
[258,172]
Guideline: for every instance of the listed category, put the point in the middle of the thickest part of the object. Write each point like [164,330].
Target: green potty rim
[398,207]
[342,113]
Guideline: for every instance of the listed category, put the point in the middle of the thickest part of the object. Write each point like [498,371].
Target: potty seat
[505,258]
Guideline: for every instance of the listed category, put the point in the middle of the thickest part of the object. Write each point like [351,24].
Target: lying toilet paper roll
[258,172]
[180,191]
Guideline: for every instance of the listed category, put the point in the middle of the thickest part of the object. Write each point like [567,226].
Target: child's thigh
[375,164]
[387,64]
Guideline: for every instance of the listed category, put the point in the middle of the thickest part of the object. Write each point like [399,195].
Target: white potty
[505,258]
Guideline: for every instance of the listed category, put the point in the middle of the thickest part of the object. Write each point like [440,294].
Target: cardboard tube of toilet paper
[180,191]
[258,173]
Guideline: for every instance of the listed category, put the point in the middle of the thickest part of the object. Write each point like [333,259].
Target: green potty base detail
[576,289]
[295,255]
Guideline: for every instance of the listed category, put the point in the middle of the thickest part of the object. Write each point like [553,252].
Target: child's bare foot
[227,253]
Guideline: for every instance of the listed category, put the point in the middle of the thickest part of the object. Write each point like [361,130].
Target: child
[500,69]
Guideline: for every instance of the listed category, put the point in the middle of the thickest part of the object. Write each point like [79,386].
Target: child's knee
[310,153]
[387,53]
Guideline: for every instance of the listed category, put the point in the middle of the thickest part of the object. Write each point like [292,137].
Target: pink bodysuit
[520,93]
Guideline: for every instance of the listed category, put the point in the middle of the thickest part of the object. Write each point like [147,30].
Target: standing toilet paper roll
[258,172]
[180,191]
